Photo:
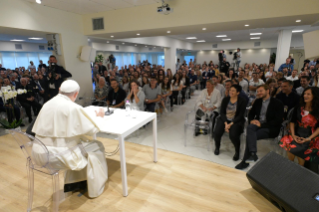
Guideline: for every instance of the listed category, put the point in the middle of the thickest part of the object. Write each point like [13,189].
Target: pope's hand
[100,113]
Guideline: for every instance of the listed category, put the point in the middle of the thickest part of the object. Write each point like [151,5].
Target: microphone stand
[108,112]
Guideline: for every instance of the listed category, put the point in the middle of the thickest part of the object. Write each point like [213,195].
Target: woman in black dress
[303,138]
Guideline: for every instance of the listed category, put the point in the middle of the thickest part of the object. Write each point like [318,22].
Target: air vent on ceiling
[150,49]
[98,23]
[41,48]
[257,44]
[117,47]
[18,46]
[215,45]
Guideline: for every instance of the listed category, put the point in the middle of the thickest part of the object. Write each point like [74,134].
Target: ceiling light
[204,28]
[201,41]
[168,31]
[88,39]
[294,31]
[255,38]
[154,47]
[226,39]
[135,45]
[221,36]
[123,43]
[257,33]
[112,36]
[137,34]
[191,38]
[38,1]
[35,38]
[107,41]
[298,20]
[246,25]
[17,40]
[145,46]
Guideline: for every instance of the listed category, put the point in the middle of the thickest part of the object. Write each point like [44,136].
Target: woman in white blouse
[136,95]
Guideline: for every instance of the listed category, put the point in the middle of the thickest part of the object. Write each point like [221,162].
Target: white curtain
[8,60]
[14,60]
[22,59]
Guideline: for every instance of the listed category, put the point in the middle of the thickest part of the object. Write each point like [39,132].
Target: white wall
[29,16]
[26,47]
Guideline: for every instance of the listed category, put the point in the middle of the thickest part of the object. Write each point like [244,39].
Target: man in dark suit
[265,118]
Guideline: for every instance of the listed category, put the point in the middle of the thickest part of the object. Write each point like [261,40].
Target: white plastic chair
[26,143]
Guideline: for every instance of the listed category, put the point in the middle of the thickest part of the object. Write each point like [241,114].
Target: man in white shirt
[254,83]
[304,82]
[31,66]
[242,81]
[294,76]
[61,126]
[219,86]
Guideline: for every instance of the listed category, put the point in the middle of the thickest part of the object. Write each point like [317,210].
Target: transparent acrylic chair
[37,162]
[179,98]
[191,123]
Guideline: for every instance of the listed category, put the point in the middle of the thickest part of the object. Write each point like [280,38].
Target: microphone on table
[108,112]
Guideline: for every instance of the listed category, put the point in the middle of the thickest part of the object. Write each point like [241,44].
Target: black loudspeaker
[286,184]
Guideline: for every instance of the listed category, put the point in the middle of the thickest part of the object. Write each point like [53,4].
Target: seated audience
[166,92]
[287,96]
[152,93]
[193,81]
[242,94]
[286,73]
[253,84]
[304,83]
[100,93]
[136,96]
[294,78]
[269,72]
[218,86]
[231,120]
[116,95]
[27,100]
[208,104]
[287,65]
[242,81]
[273,87]
[264,118]
[177,86]
[302,141]
[186,84]
[125,84]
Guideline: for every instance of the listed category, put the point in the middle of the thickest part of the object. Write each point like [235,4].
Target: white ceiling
[93,6]
[244,35]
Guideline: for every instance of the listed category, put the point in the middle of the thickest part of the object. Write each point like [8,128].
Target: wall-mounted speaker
[88,54]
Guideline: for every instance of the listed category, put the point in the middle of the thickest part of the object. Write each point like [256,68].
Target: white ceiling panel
[114,4]
[140,2]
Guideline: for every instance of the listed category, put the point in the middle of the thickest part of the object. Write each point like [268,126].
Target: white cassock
[60,125]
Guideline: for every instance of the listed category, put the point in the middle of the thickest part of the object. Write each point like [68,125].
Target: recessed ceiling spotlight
[204,28]
[298,20]
[294,31]
[38,1]
[154,47]
[88,39]
[191,38]
[201,41]
[168,31]
[123,43]
[145,46]
[226,39]
[112,36]
[254,38]
[221,36]
[246,25]
[16,40]
[107,41]
[35,38]
[138,34]
[257,33]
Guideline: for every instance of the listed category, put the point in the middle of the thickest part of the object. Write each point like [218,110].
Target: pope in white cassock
[60,125]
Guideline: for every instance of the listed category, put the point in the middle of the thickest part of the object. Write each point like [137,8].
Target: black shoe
[197,133]
[252,158]
[22,125]
[216,152]
[242,165]
[30,120]
[236,156]
[78,186]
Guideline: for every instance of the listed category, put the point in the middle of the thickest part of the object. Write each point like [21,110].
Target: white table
[122,126]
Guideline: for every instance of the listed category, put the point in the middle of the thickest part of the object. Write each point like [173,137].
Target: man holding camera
[56,75]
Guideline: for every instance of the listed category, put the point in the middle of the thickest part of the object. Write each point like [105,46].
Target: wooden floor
[176,183]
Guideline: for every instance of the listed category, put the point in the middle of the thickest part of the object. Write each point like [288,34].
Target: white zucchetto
[69,86]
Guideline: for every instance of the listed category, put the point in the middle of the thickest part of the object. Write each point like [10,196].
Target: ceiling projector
[165,9]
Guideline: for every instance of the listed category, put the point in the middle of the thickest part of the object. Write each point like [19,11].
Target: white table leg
[155,138]
[123,165]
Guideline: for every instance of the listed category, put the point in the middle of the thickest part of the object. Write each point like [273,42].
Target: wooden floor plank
[176,183]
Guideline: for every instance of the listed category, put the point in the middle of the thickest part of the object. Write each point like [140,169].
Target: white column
[283,47]
[170,58]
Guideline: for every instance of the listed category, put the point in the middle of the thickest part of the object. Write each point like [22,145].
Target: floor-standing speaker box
[286,184]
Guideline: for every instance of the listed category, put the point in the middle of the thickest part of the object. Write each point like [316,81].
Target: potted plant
[7,94]
[273,58]
[99,58]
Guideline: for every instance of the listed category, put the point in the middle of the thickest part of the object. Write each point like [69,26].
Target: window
[13,60]
[34,57]
[188,58]
[22,59]
[9,60]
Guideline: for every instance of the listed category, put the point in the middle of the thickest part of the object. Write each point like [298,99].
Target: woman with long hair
[169,74]
[247,76]
[186,84]
[125,83]
[166,92]
[303,138]
[231,74]
[262,76]
[161,72]
[177,86]
[145,81]
[273,86]
[160,79]
[136,95]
